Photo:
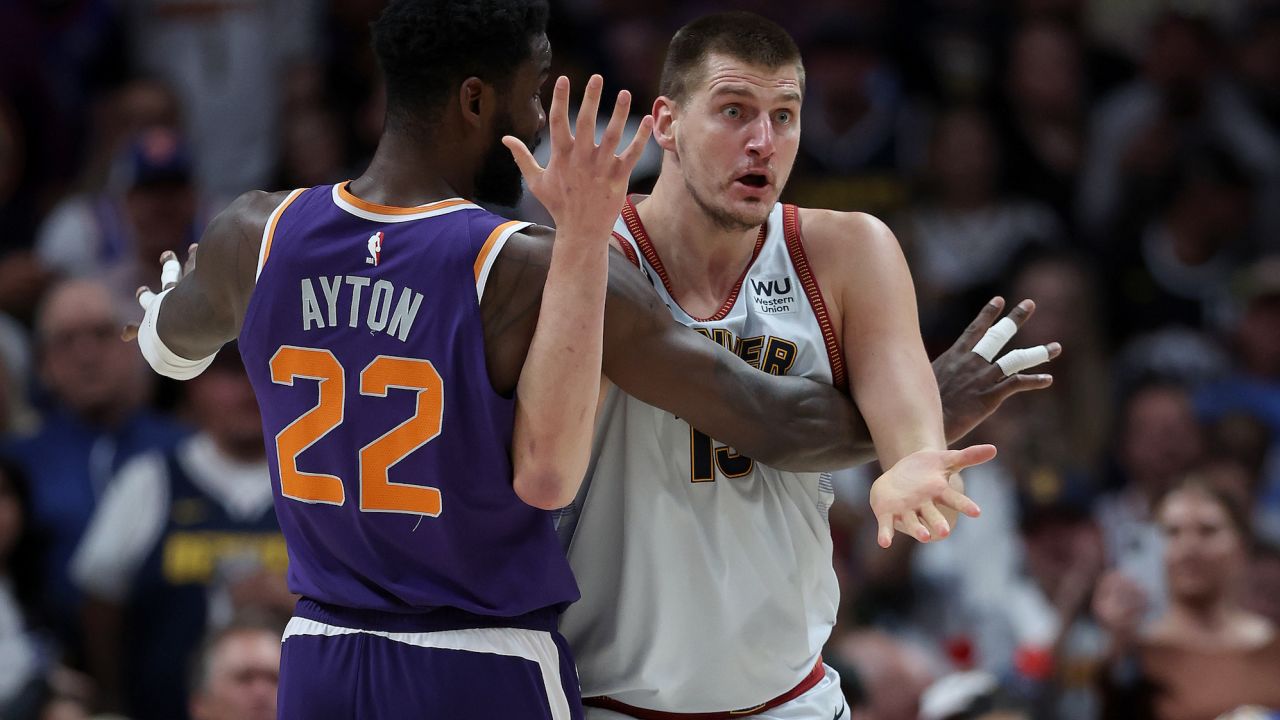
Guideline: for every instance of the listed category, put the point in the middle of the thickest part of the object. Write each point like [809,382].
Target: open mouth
[754,180]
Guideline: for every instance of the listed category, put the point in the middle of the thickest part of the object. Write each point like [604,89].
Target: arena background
[1118,161]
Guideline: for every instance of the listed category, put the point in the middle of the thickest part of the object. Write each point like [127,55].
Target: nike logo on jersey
[839,713]
[375,249]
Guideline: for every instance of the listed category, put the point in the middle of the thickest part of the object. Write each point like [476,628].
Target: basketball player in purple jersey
[389,325]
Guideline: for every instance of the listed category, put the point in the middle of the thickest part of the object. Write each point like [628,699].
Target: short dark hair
[426,47]
[740,35]
[1232,505]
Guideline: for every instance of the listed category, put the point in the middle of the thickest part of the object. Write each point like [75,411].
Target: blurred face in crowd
[1204,551]
[1258,337]
[1179,61]
[1060,292]
[83,361]
[11,520]
[162,215]
[1161,438]
[965,155]
[242,678]
[1045,71]
[225,407]
[735,137]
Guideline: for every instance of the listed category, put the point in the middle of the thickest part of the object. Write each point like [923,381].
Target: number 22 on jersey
[377,492]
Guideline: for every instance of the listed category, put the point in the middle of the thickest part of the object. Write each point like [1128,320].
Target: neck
[695,248]
[1209,614]
[406,172]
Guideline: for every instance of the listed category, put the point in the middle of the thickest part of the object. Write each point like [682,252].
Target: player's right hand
[168,278]
[583,184]
[908,497]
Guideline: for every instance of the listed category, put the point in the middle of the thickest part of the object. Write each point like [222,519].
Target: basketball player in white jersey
[707,585]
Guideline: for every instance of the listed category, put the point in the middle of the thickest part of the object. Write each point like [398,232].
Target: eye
[732,112]
[783,117]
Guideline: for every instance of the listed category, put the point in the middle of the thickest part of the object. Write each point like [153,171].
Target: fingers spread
[981,323]
[613,133]
[912,526]
[586,129]
[558,120]
[632,154]
[957,501]
[529,167]
[933,520]
[884,536]
[970,456]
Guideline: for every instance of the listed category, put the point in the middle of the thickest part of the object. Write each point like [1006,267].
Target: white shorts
[823,701]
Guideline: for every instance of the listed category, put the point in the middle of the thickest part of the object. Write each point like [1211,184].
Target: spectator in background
[1176,266]
[1159,441]
[1207,654]
[964,236]
[140,103]
[1141,131]
[177,532]
[229,62]
[236,673]
[1042,118]
[96,421]
[1253,390]
[892,674]
[117,236]
[1054,443]
[22,684]
[861,133]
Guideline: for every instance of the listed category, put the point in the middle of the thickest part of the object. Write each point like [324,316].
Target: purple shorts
[355,664]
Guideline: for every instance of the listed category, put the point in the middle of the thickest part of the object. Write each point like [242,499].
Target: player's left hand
[170,273]
[910,497]
[972,386]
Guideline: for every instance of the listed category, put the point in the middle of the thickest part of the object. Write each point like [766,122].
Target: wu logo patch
[773,295]
[375,249]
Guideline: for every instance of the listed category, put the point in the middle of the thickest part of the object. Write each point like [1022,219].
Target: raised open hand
[583,184]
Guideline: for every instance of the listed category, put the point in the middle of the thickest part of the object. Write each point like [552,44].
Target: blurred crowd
[1118,162]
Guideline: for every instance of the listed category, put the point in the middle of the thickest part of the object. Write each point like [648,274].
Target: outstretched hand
[170,273]
[583,184]
[911,496]
[973,387]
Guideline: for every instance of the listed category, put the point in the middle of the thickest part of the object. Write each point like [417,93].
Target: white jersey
[706,578]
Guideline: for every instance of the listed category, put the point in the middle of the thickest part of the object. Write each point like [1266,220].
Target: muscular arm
[889,372]
[787,422]
[206,309]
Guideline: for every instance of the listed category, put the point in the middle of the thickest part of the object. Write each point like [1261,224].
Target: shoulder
[248,214]
[846,247]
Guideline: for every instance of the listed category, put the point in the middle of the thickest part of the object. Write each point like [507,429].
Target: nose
[760,137]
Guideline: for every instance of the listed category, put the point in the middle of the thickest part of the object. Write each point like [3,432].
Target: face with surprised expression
[735,137]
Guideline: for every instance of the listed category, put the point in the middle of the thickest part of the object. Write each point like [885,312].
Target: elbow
[545,488]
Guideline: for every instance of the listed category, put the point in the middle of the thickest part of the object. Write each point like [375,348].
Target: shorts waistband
[432,620]
[815,676]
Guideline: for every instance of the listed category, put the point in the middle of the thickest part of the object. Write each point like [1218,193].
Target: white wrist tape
[1015,361]
[158,355]
[994,341]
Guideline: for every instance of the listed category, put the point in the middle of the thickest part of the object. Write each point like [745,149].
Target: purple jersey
[390,452]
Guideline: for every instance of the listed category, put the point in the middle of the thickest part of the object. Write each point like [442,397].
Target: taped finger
[145,298]
[170,272]
[995,339]
[1015,361]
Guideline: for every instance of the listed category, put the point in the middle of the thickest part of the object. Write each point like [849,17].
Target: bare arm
[205,310]
[558,389]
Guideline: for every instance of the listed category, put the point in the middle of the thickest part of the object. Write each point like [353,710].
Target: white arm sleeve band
[158,355]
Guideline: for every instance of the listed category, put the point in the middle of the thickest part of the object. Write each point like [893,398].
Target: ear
[472,100]
[664,123]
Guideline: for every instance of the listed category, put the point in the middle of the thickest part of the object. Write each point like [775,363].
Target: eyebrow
[740,90]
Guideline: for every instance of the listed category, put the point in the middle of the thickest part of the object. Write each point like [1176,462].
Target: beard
[727,219]
[498,181]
